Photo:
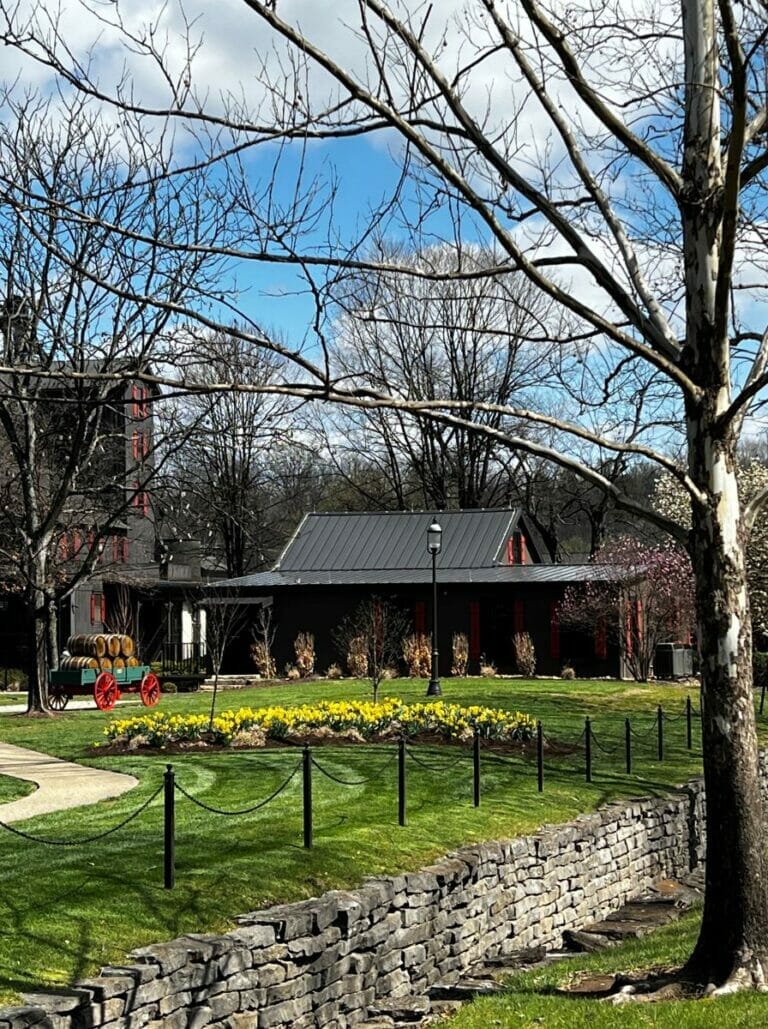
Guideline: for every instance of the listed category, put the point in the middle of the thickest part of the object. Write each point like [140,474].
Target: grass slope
[531,999]
[66,910]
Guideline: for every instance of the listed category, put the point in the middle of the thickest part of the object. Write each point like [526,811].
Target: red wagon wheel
[149,691]
[106,692]
[57,698]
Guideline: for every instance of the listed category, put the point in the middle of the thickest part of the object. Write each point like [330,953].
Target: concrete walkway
[61,784]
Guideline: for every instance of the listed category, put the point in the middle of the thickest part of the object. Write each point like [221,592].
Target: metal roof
[397,541]
[522,574]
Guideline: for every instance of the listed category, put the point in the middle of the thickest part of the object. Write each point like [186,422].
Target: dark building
[493,582]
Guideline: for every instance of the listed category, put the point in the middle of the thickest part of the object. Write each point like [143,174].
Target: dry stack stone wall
[327,961]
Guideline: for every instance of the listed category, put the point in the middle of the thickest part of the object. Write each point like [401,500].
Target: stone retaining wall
[328,961]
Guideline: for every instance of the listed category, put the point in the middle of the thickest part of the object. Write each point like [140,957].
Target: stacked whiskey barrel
[106,652]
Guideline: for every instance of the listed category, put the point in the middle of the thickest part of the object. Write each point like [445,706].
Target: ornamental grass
[352,720]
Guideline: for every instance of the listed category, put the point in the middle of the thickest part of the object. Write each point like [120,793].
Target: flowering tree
[649,600]
[752,476]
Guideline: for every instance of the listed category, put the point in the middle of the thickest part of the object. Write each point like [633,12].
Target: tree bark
[733,941]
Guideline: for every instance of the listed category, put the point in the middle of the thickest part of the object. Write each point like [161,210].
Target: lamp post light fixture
[434,544]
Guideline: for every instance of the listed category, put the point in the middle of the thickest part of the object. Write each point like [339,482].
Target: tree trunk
[733,941]
[37,688]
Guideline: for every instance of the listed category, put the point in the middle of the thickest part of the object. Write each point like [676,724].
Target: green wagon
[106,687]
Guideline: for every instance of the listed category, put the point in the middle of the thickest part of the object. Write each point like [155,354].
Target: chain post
[588,748]
[307,778]
[660,726]
[169,834]
[401,801]
[628,745]
[688,723]
[476,770]
[540,756]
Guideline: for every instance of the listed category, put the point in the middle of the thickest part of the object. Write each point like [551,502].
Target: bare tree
[217,485]
[63,433]
[375,630]
[617,159]
[225,618]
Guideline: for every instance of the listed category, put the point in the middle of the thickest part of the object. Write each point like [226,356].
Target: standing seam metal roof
[397,540]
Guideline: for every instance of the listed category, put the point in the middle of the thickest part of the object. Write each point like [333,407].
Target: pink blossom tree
[645,598]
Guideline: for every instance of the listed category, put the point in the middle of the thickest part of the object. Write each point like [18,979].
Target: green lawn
[12,789]
[532,999]
[66,910]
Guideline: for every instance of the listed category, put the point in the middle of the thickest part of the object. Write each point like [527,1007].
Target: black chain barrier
[610,751]
[88,839]
[436,767]
[245,810]
[356,782]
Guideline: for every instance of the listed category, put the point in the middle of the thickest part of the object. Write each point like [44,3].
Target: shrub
[567,672]
[262,658]
[334,672]
[357,657]
[487,668]
[169,687]
[525,654]
[304,647]
[460,648]
[292,672]
[13,678]
[417,652]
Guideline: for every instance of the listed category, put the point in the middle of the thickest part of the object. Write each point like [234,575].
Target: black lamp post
[434,543]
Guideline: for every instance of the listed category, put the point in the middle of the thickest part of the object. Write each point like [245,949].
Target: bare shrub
[460,648]
[487,668]
[525,654]
[334,671]
[263,634]
[304,648]
[417,652]
[357,657]
[567,672]
[292,672]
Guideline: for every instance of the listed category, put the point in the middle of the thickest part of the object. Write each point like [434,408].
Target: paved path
[61,784]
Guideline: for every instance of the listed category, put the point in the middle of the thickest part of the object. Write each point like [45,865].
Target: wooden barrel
[132,662]
[127,646]
[78,661]
[105,664]
[88,645]
[113,644]
[117,662]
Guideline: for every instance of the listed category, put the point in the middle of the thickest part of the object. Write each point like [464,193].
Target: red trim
[474,630]
[554,630]
[98,609]
[518,616]
[420,618]
[601,642]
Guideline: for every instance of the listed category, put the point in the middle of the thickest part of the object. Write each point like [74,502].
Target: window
[119,549]
[517,549]
[519,616]
[98,609]
[601,641]
[140,445]
[139,397]
[140,499]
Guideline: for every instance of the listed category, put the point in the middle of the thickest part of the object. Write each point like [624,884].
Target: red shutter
[601,642]
[124,550]
[474,630]
[523,550]
[145,504]
[511,550]
[98,608]
[64,548]
[554,631]
[519,616]
[420,617]
[145,444]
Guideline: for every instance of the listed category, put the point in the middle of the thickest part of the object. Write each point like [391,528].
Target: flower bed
[347,720]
